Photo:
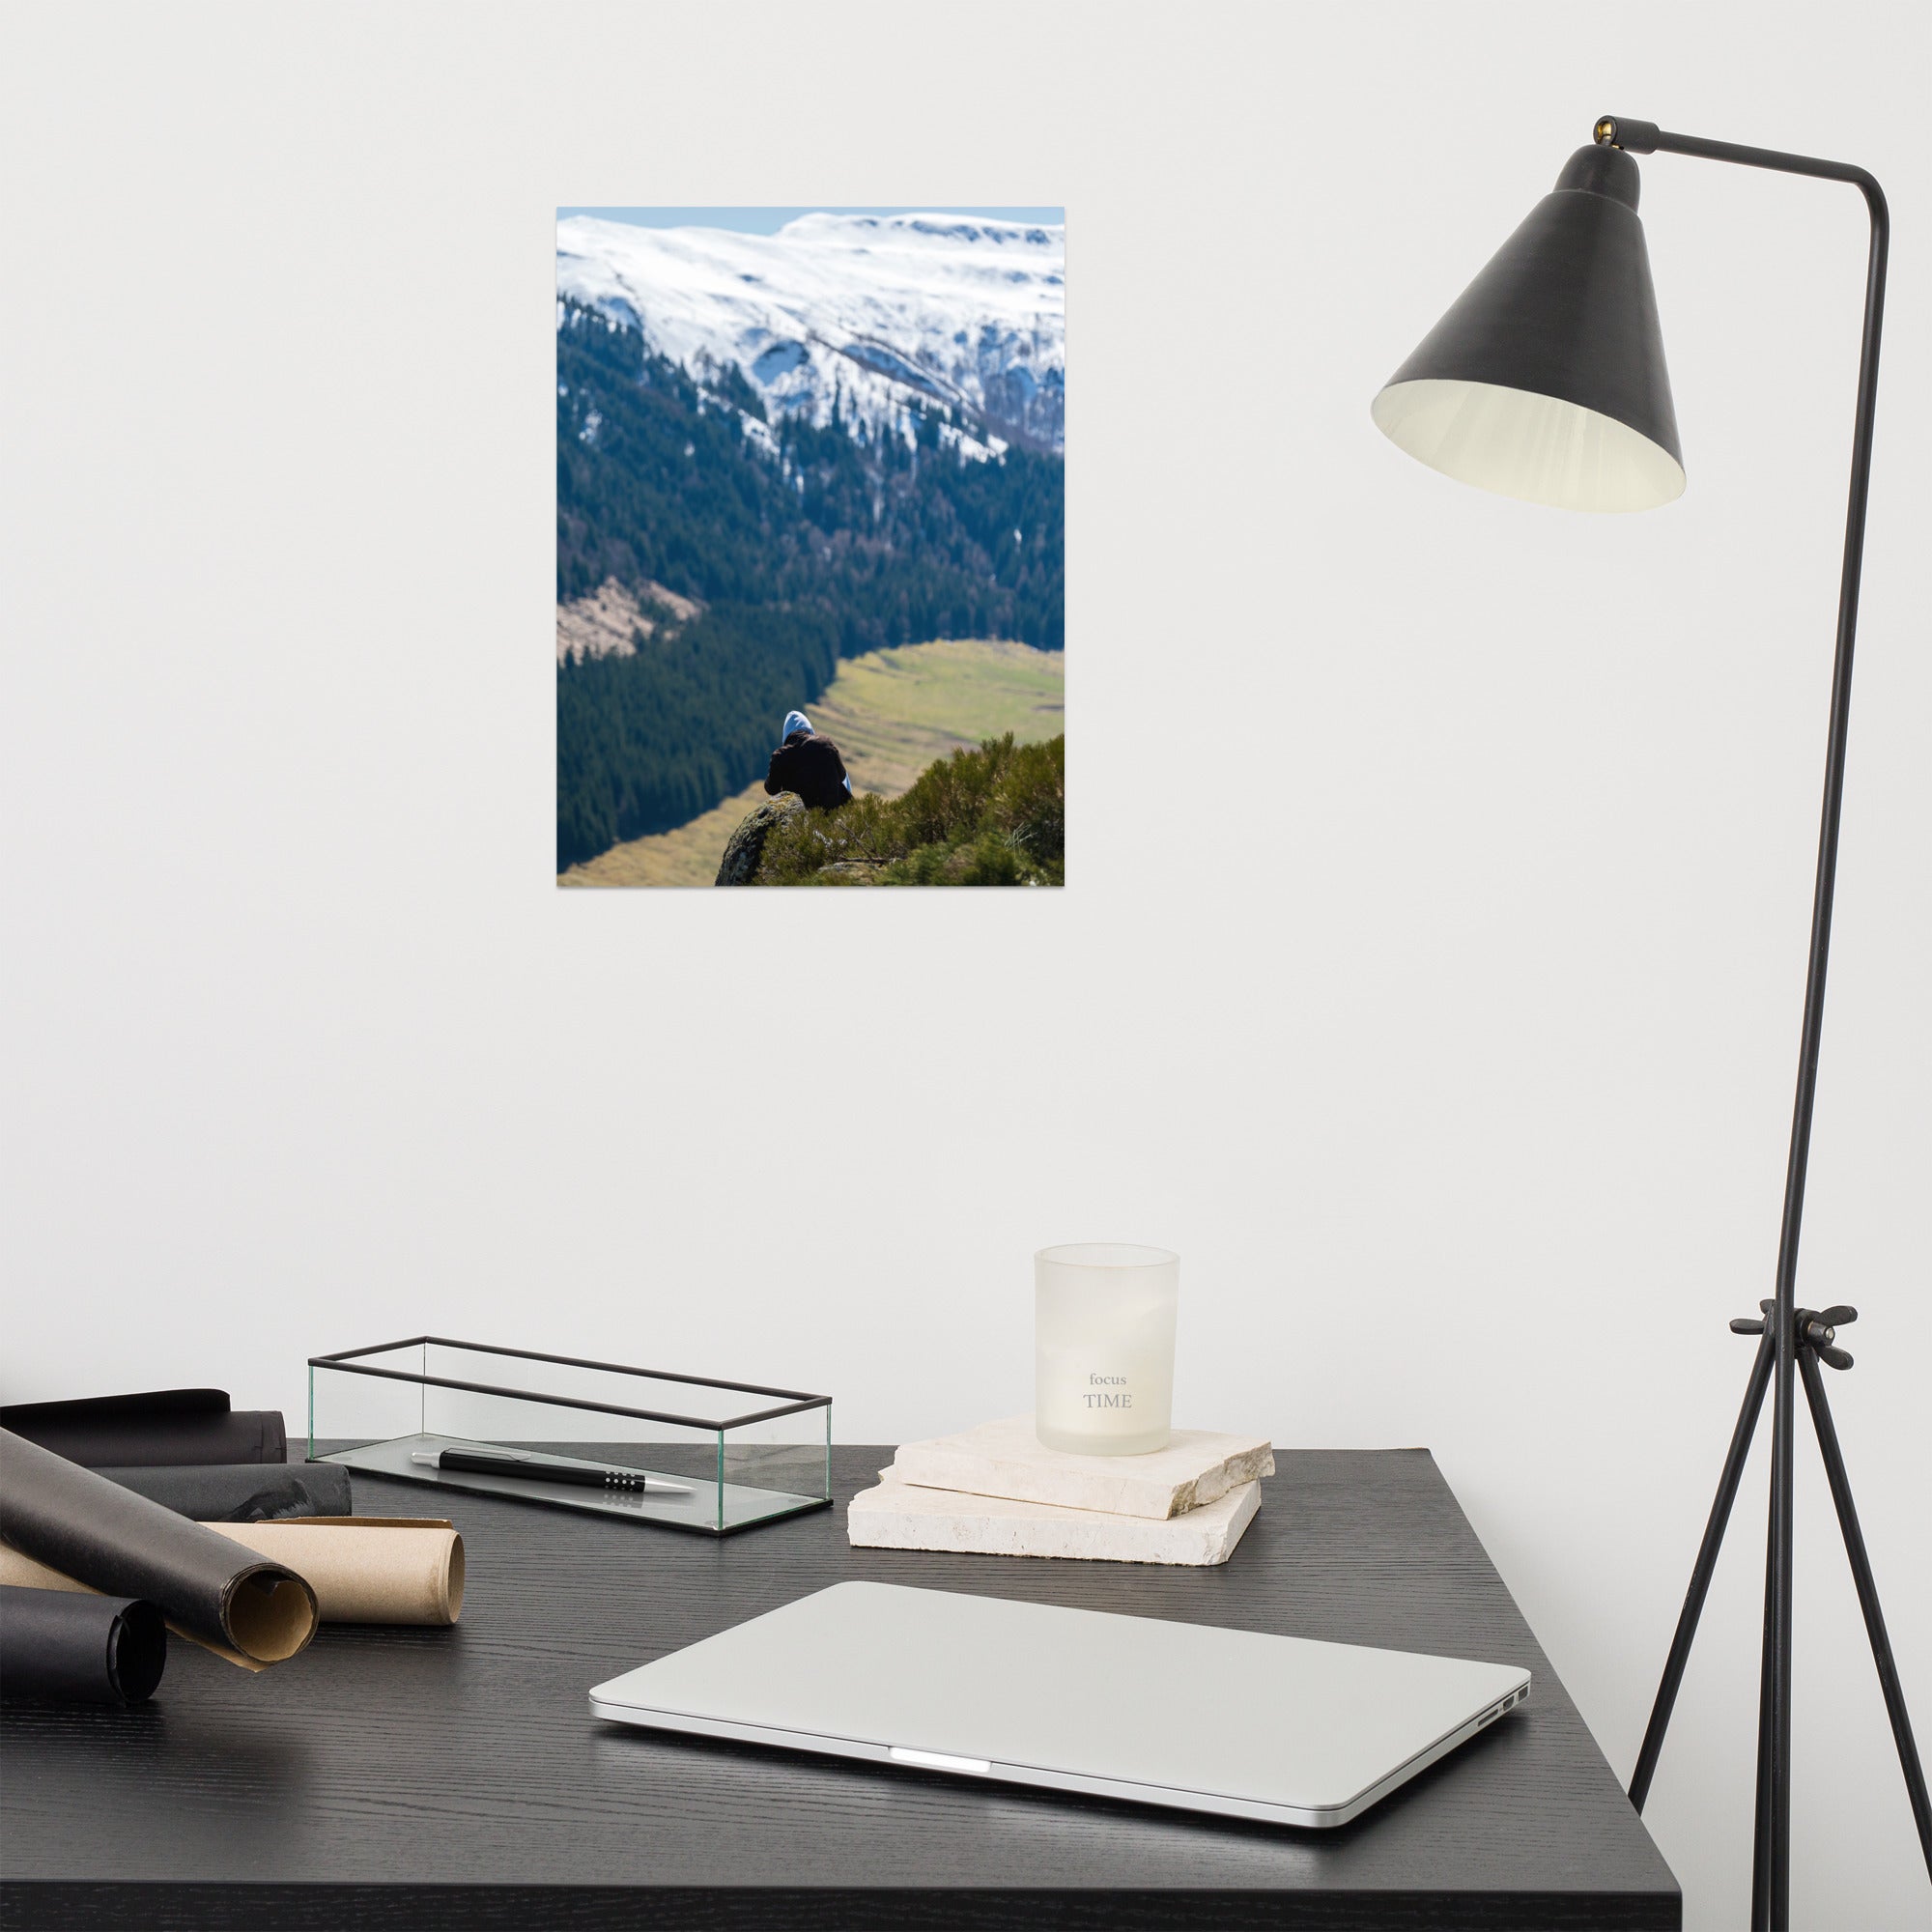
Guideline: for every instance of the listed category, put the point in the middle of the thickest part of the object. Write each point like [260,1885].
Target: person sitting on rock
[809,765]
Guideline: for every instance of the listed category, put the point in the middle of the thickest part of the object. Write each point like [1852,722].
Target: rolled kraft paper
[18,1572]
[159,1426]
[105,1538]
[363,1569]
[79,1649]
[242,1492]
[367,1570]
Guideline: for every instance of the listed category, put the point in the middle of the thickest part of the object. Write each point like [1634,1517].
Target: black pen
[582,1475]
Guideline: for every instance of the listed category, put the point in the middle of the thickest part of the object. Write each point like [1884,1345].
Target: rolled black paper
[80,1649]
[163,1426]
[118,1543]
[242,1492]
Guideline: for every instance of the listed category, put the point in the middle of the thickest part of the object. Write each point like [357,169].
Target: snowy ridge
[880,313]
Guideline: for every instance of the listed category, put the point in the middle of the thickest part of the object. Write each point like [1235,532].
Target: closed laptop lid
[1285,1722]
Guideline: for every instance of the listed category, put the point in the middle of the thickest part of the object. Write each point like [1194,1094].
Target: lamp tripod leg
[1761,1826]
[1701,1573]
[1868,1588]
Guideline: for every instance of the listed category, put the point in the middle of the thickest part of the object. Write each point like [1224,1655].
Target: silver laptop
[1279,1728]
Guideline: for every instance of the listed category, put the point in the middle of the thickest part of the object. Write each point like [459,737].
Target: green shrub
[992,818]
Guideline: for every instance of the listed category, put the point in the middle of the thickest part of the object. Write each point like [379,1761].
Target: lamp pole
[1546,380]
[1794,1343]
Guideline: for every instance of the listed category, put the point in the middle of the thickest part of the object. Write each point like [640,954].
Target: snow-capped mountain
[879,312]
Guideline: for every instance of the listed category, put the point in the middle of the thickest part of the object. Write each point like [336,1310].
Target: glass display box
[683,1452]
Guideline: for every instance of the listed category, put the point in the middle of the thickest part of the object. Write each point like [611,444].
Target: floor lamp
[1546,380]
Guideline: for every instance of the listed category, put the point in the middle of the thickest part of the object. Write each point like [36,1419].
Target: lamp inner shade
[1519,443]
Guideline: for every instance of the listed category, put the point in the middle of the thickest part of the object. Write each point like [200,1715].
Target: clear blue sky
[769,220]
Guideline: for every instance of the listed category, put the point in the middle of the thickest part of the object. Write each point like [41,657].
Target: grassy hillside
[892,713]
[996,816]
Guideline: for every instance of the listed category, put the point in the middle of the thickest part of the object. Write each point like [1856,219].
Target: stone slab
[1006,1459]
[904,1516]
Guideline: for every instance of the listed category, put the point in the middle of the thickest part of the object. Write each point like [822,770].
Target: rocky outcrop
[747,845]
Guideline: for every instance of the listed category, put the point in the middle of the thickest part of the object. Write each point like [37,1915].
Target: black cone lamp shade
[1546,380]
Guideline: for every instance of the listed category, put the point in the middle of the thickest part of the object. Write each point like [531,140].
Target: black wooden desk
[429,1778]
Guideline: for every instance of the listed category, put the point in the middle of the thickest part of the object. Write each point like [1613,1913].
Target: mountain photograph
[810,547]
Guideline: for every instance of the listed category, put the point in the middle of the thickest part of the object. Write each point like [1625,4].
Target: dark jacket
[811,766]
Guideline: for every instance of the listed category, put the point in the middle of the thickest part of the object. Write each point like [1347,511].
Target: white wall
[1431,970]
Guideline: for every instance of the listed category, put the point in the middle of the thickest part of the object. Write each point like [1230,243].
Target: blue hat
[795,720]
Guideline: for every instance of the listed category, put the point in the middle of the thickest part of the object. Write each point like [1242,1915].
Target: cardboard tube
[89,1533]
[363,1569]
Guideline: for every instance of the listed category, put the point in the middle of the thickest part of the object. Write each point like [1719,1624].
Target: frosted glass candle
[1103,1347]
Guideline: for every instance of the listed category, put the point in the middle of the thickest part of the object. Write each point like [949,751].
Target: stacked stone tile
[996,1491]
